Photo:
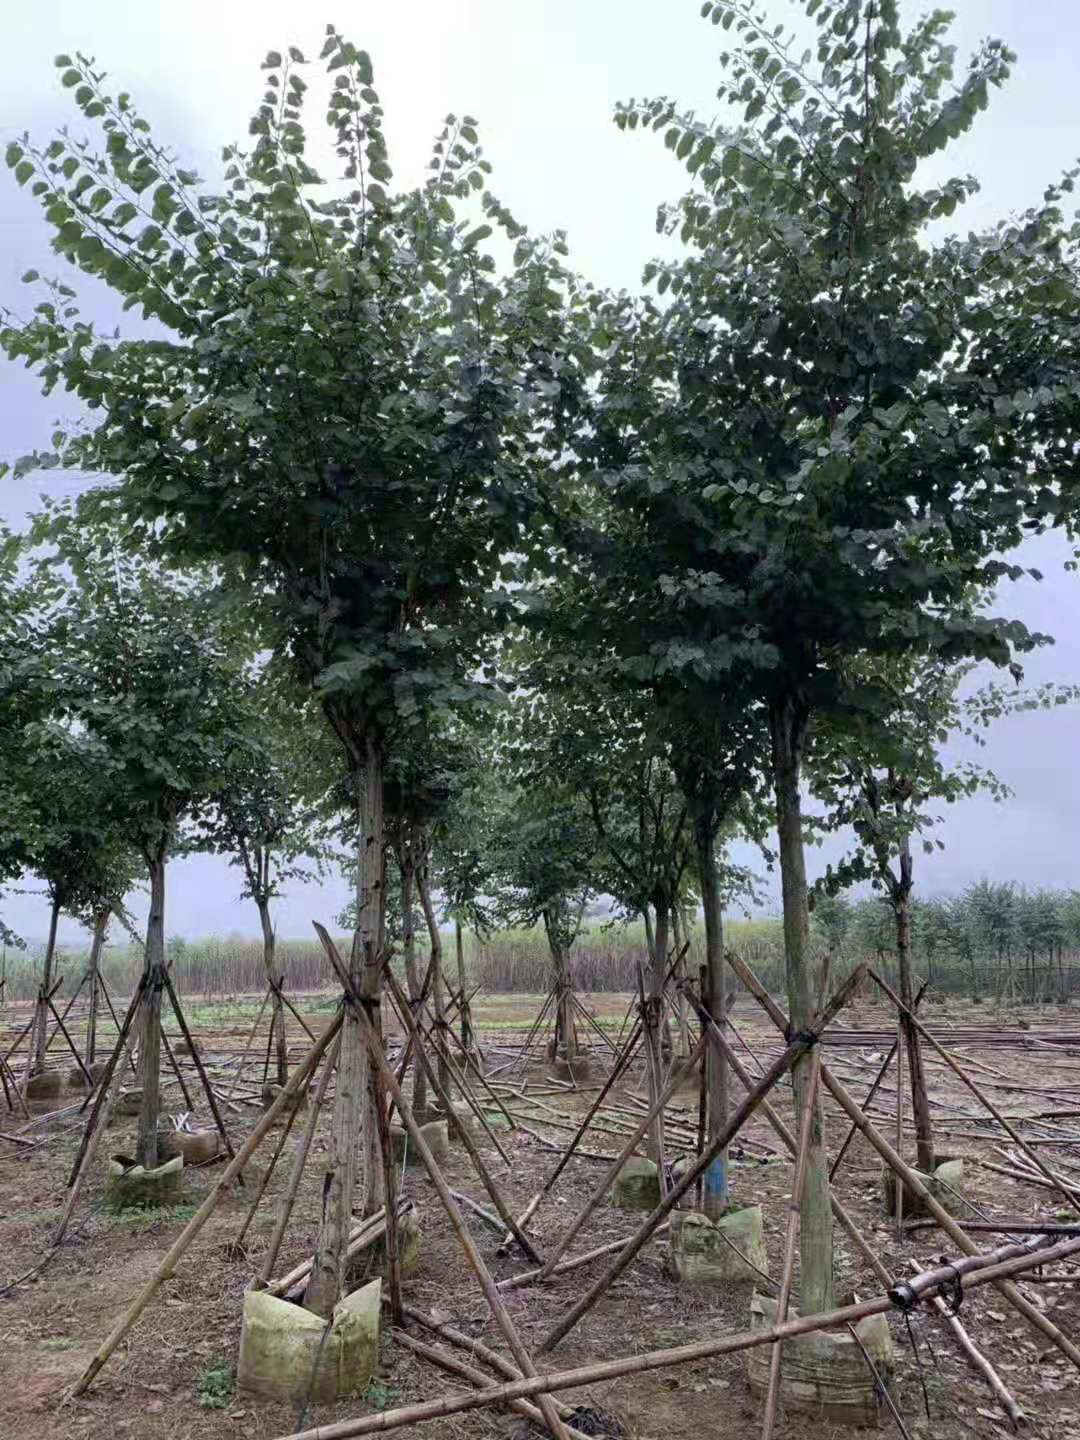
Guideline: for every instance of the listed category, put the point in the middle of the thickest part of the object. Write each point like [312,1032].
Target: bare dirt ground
[179,1355]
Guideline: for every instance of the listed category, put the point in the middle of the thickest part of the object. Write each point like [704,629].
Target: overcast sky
[543,79]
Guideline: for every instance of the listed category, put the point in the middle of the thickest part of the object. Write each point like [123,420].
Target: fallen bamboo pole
[206,1209]
[599,1372]
[575,1262]
[1004,1398]
[799,1044]
[454,1366]
[1030,1313]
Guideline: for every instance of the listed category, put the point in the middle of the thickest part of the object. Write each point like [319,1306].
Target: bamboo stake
[266,1269]
[576,1262]
[256,1199]
[790,1240]
[1071,1197]
[205,1210]
[608,1179]
[462,1129]
[977,1358]
[247,1047]
[797,1047]
[599,1372]
[487,1285]
[193,1048]
[910,1177]
[781,1129]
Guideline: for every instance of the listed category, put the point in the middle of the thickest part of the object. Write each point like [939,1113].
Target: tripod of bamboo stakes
[438,1051]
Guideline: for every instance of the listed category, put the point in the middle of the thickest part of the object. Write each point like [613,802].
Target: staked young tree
[270,813]
[857,418]
[147,667]
[343,407]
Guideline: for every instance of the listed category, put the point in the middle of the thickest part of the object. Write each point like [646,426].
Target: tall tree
[341,407]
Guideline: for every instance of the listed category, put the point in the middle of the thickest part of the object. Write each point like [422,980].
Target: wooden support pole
[600,1372]
[191,1230]
[910,1177]
[248,1045]
[1070,1196]
[435,1081]
[678,1075]
[472,1254]
[797,1047]
[266,1269]
[201,1068]
[977,1358]
[790,1240]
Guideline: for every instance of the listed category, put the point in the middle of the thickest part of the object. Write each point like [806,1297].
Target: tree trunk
[787,725]
[714,1001]
[93,969]
[681,1011]
[413,978]
[146,1148]
[920,1101]
[438,993]
[564,1041]
[41,1010]
[353,1126]
[661,948]
[466,1014]
[274,980]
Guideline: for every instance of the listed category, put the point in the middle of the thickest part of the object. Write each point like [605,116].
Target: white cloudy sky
[543,80]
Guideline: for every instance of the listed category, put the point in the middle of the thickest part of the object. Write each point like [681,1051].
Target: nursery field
[175,1373]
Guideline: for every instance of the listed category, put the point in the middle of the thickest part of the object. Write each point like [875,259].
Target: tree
[341,410]
[545,863]
[268,814]
[146,666]
[857,419]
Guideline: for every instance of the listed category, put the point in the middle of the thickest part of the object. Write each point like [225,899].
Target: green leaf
[70,78]
[30,276]
[475,236]
[272,61]
[23,171]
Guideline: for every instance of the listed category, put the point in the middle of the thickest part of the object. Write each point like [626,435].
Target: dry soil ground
[180,1355]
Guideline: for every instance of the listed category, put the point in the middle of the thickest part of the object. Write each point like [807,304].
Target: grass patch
[141,1218]
[216,1386]
[59,1342]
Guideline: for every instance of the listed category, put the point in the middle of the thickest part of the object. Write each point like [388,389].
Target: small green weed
[59,1342]
[380,1396]
[146,1218]
[215,1386]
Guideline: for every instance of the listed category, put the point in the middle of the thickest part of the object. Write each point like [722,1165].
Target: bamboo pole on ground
[790,1240]
[576,1262]
[472,1254]
[797,1047]
[191,1230]
[910,1177]
[676,1078]
[454,1366]
[599,1372]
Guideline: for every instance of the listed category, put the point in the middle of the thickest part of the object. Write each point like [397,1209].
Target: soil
[171,1377]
